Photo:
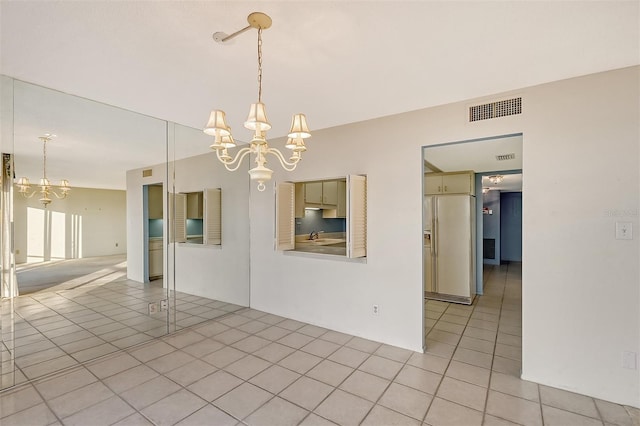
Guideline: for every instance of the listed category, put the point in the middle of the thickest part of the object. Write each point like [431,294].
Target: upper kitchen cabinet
[154,201]
[322,194]
[313,192]
[341,202]
[194,205]
[330,192]
[449,183]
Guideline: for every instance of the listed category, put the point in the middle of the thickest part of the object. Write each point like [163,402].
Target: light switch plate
[629,360]
[624,231]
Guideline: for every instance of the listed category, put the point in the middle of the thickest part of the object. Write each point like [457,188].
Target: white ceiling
[510,183]
[339,62]
[479,156]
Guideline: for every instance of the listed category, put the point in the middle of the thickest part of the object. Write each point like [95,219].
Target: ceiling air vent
[147,172]
[495,109]
[503,157]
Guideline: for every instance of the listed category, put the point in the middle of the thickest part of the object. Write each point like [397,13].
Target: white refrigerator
[449,248]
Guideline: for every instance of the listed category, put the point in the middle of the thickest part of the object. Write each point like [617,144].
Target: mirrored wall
[98,268]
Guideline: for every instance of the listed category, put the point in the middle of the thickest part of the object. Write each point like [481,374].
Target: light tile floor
[254,368]
[63,328]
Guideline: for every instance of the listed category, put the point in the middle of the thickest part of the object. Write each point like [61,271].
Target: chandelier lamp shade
[257,122]
[44,188]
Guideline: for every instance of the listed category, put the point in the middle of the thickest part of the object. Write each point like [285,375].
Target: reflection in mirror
[465,277]
[206,275]
[211,263]
[75,300]
[7,259]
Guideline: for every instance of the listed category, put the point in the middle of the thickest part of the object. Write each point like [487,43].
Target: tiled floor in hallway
[254,368]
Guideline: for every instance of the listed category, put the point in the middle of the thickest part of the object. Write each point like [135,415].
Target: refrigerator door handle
[434,242]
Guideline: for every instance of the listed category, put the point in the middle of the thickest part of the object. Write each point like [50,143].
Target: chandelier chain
[44,158]
[257,122]
[259,64]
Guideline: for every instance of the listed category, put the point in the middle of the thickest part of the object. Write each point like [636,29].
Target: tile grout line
[495,345]
[444,372]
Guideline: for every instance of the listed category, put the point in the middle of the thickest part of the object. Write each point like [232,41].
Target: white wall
[580,285]
[581,294]
[89,222]
[220,273]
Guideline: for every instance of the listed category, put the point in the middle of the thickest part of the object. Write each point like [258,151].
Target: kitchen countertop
[334,243]
[338,249]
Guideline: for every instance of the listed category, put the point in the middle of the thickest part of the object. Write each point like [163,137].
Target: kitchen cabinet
[341,202]
[194,205]
[313,192]
[330,192]
[321,194]
[154,201]
[449,183]
[155,258]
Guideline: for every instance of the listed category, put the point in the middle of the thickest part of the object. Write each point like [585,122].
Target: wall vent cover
[147,172]
[495,109]
[503,157]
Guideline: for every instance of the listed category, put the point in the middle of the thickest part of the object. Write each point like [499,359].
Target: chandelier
[257,122]
[45,188]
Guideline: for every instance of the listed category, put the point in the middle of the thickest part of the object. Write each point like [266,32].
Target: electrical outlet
[153,308]
[164,305]
[376,309]
[116,244]
[624,231]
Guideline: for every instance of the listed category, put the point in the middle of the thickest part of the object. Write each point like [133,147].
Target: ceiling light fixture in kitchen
[257,122]
[496,179]
[44,187]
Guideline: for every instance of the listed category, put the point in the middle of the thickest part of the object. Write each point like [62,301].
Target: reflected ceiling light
[45,188]
[496,179]
[485,190]
[257,122]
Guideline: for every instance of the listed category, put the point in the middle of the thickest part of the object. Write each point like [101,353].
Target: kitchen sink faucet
[314,235]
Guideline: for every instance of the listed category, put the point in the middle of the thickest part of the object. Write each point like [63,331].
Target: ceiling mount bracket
[257,20]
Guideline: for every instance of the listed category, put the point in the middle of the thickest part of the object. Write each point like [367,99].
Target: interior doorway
[496,164]
[153,226]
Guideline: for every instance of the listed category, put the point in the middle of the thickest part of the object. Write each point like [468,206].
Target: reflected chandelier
[257,121]
[45,188]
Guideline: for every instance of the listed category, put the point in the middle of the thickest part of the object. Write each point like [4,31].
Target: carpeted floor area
[69,274]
